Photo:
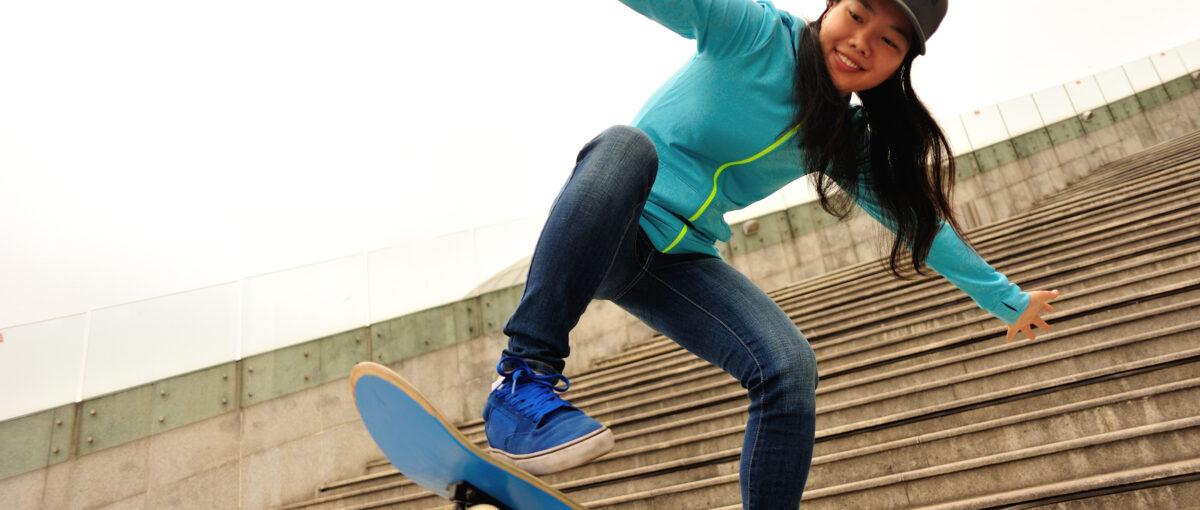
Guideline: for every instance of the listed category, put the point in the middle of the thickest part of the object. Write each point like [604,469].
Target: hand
[1039,301]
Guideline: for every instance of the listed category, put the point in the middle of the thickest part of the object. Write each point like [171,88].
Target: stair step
[1112,452]
[1169,474]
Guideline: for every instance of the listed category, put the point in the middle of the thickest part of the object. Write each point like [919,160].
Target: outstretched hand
[1039,301]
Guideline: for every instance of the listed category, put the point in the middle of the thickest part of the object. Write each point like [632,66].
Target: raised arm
[719,27]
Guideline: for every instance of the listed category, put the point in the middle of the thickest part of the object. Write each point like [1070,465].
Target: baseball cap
[925,16]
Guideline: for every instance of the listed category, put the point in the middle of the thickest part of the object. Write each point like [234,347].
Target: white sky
[150,147]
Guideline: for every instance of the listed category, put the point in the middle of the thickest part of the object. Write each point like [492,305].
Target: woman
[764,101]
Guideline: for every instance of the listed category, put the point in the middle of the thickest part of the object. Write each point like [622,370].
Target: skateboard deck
[425,447]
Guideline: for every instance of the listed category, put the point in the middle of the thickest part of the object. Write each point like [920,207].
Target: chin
[843,89]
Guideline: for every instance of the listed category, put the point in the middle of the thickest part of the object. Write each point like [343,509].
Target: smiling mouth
[847,62]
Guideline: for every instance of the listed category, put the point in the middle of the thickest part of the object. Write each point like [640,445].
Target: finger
[1041,323]
[1012,332]
[1027,329]
[1047,308]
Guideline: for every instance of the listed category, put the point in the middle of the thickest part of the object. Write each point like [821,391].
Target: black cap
[925,16]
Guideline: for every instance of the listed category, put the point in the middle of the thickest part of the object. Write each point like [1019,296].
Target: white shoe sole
[563,457]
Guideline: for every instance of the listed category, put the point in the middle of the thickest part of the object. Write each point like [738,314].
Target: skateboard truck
[465,496]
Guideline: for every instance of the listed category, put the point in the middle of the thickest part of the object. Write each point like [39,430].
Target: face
[863,42]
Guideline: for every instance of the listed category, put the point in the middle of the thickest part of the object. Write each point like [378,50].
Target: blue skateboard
[431,452]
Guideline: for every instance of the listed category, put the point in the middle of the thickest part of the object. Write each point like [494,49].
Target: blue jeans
[593,248]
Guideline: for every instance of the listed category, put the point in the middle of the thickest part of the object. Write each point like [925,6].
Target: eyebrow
[897,28]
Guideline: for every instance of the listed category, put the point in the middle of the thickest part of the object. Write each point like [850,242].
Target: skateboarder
[764,101]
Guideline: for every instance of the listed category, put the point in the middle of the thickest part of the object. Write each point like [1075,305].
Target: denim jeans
[592,248]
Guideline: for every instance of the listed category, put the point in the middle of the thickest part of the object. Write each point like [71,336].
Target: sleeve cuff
[1011,305]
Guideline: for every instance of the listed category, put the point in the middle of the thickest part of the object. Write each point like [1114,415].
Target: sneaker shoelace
[538,394]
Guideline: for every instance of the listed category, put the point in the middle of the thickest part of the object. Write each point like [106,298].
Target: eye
[891,43]
[854,15]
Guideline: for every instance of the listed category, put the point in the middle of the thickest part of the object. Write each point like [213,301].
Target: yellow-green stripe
[717,175]
[682,232]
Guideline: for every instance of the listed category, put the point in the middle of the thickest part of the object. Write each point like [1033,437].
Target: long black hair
[910,171]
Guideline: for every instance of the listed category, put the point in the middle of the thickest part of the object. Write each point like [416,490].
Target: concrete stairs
[921,402]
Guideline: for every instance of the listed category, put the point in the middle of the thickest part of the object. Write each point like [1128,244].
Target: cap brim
[916,26]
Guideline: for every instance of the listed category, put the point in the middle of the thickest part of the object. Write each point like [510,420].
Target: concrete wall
[258,457]
[269,429]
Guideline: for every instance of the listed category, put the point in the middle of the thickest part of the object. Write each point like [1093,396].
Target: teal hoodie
[720,127]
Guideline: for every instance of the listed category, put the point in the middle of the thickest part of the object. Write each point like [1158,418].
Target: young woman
[764,101]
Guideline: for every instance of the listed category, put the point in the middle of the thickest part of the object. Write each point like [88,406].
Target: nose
[859,41]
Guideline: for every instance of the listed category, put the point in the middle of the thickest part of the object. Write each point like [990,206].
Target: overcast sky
[150,147]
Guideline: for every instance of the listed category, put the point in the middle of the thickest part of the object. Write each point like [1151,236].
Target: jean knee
[790,379]
[631,138]
[635,147]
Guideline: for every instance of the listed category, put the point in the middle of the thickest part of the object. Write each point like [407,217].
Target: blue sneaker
[529,425]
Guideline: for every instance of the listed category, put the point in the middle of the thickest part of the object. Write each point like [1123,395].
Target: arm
[962,266]
[991,290]
[719,27]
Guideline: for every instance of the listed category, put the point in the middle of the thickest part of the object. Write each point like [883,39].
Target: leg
[717,313]
[594,213]
[587,241]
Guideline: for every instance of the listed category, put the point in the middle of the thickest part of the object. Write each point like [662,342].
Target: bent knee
[635,144]
[799,370]
[629,136]
[789,378]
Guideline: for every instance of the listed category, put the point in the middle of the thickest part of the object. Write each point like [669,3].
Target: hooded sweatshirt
[722,128]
